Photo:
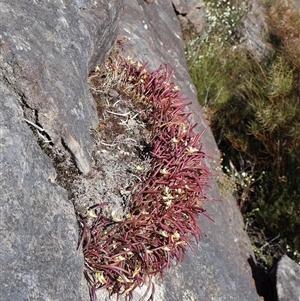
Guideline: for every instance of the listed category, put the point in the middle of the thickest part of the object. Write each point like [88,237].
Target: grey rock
[286,279]
[184,7]
[149,1]
[47,50]
[219,269]
[255,29]
[197,17]
[38,229]
[190,14]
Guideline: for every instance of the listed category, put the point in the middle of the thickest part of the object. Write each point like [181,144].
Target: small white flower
[164,171]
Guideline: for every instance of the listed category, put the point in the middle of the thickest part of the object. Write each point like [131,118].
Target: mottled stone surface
[38,228]
[184,7]
[46,51]
[286,280]
[191,14]
[255,29]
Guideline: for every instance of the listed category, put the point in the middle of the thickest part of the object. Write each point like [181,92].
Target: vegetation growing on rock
[252,105]
[160,203]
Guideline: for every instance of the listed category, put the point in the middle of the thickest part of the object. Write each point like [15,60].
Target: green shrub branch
[253,108]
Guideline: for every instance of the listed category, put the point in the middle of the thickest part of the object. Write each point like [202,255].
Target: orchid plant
[121,255]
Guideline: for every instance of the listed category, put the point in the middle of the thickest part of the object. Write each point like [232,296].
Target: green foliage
[253,108]
[281,215]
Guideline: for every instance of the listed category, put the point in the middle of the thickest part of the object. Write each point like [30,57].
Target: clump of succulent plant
[122,254]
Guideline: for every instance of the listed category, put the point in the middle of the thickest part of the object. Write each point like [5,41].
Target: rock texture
[191,14]
[255,29]
[39,235]
[286,280]
[46,51]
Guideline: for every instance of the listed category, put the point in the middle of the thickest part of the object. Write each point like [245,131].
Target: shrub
[253,110]
[165,202]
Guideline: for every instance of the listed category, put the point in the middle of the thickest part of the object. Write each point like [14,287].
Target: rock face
[254,30]
[190,14]
[38,254]
[286,280]
[46,51]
